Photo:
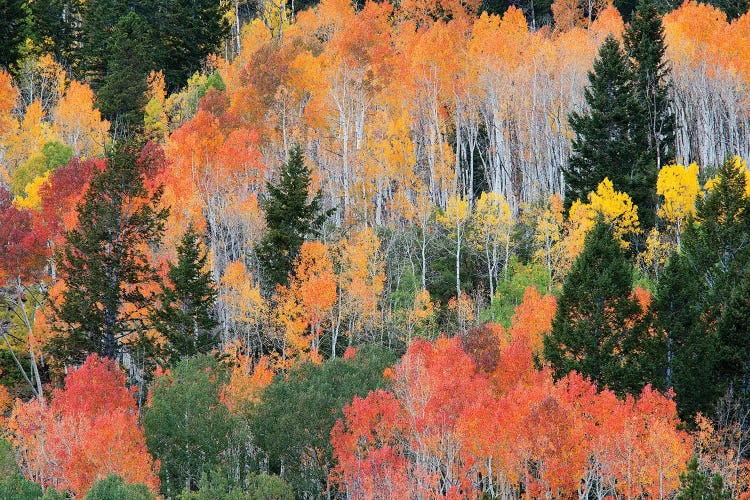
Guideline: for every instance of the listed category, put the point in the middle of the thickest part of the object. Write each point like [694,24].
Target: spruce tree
[701,303]
[121,96]
[733,329]
[692,352]
[53,31]
[97,23]
[598,329]
[696,484]
[184,33]
[103,262]
[644,44]
[186,302]
[14,18]
[610,138]
[290,219]
[732,8]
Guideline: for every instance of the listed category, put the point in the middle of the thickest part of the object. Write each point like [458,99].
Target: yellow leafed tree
[614,207]
[32,199]
[243,308]
[679,188]
[304,305]
[155,115]
[78,123]
[492,228]
[362,280]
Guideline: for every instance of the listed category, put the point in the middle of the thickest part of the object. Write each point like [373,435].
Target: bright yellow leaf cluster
[456,213]
[614,207]
[678,186]
[493,221]
[33,200]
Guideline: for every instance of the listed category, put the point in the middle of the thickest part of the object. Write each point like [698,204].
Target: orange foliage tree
[450,428]
[304,306]
[78,123]
[88,431]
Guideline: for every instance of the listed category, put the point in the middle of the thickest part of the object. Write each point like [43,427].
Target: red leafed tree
[61,194]
[23,255]
[23,251]
[367,448]
[445,430]
[88,431]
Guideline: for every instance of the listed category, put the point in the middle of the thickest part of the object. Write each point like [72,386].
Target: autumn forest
[353,249]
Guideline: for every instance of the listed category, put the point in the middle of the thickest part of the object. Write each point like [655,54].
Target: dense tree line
[339,263]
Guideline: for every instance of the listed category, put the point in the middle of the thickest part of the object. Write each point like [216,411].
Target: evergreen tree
[93,39]
[692,354]
[184,33]
[119,42]
[732,8]
[103,261]
[610,139]
[700,303]
[598,329]
[14,17]
[644,44]
[184,316]
[121,96]
[290,219]
[54,31]
[696,484]
[733,329]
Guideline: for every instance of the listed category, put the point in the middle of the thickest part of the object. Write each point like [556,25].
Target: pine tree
[733,329]
[103,262]
[14,18]
[97,22]
[696,484]
[184,316]
[290,219]
[692,352]
[184,33]
[701,305]
[610,139]
[732,8]
[644,44]
[54,32]
[121,96]
[598,329]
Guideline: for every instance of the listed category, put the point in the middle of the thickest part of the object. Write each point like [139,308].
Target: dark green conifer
[290,219]
[691,350]
[104,264]
[644,44]
[14,24]
[94,38]
[55,29]
[701,303]
[184,33]
[610,137]
[186,302]
[598,329]
[121,96]
[696,484]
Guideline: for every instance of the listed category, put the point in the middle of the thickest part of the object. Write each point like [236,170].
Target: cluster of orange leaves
[455,424]
[89,430]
